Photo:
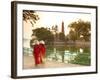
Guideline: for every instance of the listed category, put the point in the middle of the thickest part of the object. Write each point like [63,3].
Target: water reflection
[67,54]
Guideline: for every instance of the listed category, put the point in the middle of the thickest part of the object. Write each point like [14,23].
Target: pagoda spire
[62,27]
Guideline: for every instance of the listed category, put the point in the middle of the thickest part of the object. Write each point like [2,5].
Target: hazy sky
[48,19]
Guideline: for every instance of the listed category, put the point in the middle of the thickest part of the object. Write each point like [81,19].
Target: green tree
[72,35]
[80,28]
[44,34]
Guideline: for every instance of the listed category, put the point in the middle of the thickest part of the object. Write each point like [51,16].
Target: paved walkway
[29,64]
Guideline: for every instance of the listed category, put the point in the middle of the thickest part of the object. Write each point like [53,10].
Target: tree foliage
[80,28]
[43,34]
[30,15]
[72,35]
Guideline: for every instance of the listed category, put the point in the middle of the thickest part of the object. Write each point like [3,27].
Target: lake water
[66,54]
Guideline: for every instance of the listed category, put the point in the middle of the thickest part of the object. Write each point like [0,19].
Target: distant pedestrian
[42,50]
[36,53]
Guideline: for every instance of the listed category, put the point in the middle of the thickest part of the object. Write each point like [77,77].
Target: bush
[82,59]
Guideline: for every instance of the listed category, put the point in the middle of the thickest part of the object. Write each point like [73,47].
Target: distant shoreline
[80,43]
[76,43]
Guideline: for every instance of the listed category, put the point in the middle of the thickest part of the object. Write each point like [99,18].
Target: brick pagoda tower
[62,27]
